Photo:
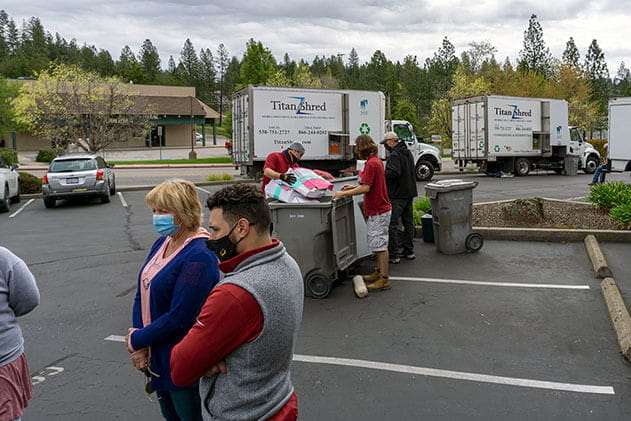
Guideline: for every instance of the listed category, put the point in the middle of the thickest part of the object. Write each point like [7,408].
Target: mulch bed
[542,213]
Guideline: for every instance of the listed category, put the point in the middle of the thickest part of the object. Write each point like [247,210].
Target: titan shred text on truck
[619,149]
[269,119]
[517,134]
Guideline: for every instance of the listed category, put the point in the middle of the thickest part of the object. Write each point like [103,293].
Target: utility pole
[192,154]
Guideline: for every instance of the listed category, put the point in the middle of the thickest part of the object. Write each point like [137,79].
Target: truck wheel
[522,167]
[317,285]
[424,170]
[590,164]
[473,242]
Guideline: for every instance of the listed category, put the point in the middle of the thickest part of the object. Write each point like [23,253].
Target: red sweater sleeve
[230,317]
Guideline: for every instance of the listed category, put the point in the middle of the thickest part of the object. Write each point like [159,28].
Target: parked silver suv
[78,174]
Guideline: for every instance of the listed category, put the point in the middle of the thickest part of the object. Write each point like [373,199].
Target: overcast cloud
[305,29]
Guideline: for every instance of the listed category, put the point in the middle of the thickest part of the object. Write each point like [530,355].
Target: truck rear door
[468,130]
[241,144]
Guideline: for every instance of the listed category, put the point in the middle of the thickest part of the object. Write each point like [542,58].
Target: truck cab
[426,157]
[589,156]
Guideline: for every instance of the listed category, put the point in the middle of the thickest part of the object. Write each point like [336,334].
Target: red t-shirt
[376,200]
[278,162]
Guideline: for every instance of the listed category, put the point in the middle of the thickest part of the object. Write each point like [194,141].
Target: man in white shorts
[377,207]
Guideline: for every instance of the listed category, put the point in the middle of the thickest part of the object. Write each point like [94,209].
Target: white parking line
[495,284]
[458,375]
[122,199]
[204,190]
[435,372]
[21,209]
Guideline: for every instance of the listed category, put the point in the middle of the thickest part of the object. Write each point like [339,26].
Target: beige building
[177,110]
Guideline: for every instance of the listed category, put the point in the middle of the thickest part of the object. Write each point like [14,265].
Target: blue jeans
[180,405]
[401,208]
[599,174]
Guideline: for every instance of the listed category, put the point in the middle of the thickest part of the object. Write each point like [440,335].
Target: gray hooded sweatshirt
[18,296]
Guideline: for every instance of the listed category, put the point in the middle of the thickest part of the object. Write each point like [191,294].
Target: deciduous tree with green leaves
[8,92]
[67,105]
[258,64]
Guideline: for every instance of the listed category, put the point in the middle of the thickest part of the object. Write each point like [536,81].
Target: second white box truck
[619,148]
[517,134]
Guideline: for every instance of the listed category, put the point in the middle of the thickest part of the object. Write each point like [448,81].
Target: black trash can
[428,228]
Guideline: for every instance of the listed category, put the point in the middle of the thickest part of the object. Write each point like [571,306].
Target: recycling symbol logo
[496,148]
[364,128]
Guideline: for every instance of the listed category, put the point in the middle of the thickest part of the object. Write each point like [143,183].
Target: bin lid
[450,185]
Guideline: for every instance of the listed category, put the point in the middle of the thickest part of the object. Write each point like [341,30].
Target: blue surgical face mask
[164,224]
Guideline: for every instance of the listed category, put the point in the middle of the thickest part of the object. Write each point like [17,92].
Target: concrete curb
[599,263]
[149,187]
[552,234]
[619,315]
[146,166]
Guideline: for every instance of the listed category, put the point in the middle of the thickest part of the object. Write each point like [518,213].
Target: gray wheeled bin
[320,236]
[452,206]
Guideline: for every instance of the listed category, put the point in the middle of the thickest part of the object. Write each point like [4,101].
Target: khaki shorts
[377,226]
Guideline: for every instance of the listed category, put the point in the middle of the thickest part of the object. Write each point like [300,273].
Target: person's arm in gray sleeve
[23,292]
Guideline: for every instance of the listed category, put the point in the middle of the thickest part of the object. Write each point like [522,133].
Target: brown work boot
[380,284]
[372,277]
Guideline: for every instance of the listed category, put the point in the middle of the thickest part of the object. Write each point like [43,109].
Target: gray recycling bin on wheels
[452,207]
[320,236]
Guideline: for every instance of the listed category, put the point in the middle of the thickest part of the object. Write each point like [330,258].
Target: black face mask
[388,147]
[223,247]
[291,157]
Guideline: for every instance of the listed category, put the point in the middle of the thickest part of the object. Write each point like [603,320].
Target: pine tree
[207,76]
[258,64]
[4,46]
[622,81]
[189,63]
[127,67]
[571,55]
[535,56]
[149,61]
[222,65]
[596,70]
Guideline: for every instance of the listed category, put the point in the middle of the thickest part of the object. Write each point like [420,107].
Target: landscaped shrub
[219,177]
[609,195]
[48,154]
[622,214]
[599,145]
[421,206]
[29,183]
[9,155]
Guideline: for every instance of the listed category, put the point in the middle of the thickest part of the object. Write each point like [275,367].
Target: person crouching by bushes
[376,206]
[173,284]
[18,296]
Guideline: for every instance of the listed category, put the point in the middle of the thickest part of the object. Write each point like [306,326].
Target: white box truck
[517,134]
[268,119]
[619,148]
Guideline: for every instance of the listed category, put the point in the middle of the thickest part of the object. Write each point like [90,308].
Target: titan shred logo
[300,107]
[514,114]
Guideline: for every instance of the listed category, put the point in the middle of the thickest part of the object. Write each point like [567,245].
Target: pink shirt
[155,265]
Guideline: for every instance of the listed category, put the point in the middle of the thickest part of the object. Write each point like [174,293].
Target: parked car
[78,174]
[198,137]
[9,185]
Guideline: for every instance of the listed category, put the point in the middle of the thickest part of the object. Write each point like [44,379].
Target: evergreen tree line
[418,91]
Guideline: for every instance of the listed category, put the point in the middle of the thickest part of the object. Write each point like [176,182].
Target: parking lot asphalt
[518,330]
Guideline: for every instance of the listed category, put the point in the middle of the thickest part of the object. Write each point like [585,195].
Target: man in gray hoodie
[18,296]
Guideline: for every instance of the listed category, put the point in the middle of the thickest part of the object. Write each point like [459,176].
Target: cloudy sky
[305,29]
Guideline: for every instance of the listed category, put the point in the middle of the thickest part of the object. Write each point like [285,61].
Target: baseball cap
[297,147]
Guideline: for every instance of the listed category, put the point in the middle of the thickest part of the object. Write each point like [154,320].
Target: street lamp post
[192,154]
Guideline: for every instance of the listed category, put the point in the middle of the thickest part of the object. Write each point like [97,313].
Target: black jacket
[400,173]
